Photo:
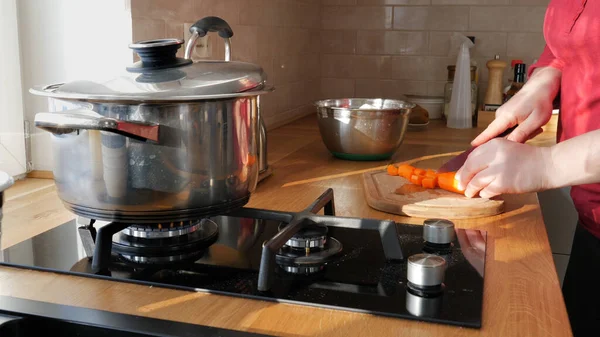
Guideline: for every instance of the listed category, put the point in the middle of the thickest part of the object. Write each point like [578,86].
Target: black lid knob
[157,54]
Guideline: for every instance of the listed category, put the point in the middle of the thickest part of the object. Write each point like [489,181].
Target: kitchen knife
[457,162]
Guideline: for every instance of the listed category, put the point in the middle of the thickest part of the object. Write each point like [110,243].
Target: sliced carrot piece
[429,182]
[430,173]
[447,181]
[392,170]
[416,179]
[405,171]
[419,172]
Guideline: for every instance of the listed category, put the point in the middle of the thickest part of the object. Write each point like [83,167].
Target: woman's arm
[502,166]
[575,161]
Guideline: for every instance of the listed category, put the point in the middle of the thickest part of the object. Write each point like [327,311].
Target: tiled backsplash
[315,49]
[387,48]
[283,36]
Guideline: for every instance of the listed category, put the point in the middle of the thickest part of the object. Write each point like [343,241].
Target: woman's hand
[503,166]
[530,108]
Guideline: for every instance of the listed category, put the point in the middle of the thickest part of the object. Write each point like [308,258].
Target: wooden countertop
[522,292]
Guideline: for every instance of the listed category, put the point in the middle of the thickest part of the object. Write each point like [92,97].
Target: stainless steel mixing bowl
[363,128]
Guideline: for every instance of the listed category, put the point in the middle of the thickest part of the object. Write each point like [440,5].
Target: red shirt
[572,33]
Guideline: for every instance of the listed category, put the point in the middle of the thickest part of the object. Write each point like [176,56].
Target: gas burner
[168,249]
[307,261]
[312,236]
[303,270]
[161,231]
[155,260]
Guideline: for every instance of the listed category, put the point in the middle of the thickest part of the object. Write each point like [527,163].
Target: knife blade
[457,162]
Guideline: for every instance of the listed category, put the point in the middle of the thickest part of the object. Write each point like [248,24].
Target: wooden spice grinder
[493,95]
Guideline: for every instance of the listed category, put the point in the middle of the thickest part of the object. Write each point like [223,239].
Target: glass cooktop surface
[358,278]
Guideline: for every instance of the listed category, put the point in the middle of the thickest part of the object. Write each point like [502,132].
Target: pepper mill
[493,95]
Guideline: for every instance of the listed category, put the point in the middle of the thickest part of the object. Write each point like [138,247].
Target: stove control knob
[438,231]
[426,270]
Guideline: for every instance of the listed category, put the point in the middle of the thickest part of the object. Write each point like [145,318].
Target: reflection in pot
[422,306]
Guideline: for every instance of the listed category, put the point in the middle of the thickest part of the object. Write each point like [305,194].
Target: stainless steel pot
[169,140]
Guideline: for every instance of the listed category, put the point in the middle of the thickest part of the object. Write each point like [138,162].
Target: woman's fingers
[488,193]
[496,127]
[477,161]
[525,129]
[479,182]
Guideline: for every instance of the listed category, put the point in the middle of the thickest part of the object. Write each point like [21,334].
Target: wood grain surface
[522,294]
[385,193]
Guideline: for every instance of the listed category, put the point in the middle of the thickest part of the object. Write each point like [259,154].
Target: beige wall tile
[267,41]
[147,29]
[285,117]
[337,88]
[292,68]
[257,12]
[417,43]
[296,14]
[470,2]
[246,44]
[487,44]
[436,88]
[394,2]
[356,66]
[421,68]
[529,2]
[182,10]
[228,10]
[294,41]
[431,18]
[392,43]
[389,88]
[338,41]
[349,17]
[525,44]
[507,18]
[338,2]
[268,105]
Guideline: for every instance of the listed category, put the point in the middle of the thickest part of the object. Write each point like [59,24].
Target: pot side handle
[210,24]
[81,119]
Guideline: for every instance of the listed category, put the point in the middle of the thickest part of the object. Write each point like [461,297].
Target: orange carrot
[429,182]
[416,179]
[405,171]
[430,173]
[392,170]
[447,181]
[419,172]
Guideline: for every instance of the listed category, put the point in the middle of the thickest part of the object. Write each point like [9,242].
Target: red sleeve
[547,59]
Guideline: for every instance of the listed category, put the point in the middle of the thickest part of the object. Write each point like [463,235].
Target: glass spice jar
[448,92]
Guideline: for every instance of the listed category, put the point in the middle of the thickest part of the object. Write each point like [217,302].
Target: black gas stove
[431,273]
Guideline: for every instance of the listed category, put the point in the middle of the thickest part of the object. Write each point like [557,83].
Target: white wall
[12,139]
[65,40]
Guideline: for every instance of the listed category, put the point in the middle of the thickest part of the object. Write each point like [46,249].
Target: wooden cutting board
[385,193]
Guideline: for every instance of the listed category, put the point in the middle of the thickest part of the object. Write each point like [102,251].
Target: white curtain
[12,138]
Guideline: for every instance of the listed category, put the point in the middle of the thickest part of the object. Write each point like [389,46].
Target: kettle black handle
[212,24]
[209,24]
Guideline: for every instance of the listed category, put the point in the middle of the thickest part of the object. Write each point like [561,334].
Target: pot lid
[161,75]
[6,181]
